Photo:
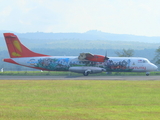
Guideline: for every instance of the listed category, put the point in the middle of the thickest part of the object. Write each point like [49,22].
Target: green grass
[61,73]
[79,100]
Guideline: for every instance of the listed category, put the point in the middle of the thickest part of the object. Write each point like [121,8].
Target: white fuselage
[65,63]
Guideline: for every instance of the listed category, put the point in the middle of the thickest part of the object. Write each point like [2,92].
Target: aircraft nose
[155,68]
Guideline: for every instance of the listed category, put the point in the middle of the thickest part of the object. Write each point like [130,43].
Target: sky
[136,17]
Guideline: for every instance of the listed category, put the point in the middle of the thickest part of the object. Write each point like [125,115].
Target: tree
[125,53]
[157,56]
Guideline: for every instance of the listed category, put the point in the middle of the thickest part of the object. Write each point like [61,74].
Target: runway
[80,78]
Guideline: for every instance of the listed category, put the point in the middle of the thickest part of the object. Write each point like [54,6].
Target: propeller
[106,58]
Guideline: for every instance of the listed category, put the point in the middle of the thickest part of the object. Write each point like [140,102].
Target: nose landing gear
[147,73]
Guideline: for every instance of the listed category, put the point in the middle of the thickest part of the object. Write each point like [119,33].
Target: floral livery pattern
[63,64]
[118,66]
[59,64]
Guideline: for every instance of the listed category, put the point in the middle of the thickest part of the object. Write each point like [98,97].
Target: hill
[89,35]
[88,40]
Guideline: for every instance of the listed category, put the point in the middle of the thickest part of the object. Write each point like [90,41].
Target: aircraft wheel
[85,73]
[147,74]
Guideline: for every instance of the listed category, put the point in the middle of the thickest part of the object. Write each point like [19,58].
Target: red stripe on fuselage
[13,62]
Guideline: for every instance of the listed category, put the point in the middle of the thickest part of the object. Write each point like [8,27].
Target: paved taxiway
[79,77]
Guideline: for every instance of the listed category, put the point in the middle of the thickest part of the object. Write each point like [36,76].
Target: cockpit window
[145,61]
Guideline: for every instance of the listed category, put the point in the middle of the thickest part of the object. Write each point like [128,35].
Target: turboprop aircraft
[85,63]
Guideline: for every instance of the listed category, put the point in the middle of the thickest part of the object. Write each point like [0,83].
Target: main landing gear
[85,73]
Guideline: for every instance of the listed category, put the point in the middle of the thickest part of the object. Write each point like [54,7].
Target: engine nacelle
[91,57]
[96,58]
[86,69]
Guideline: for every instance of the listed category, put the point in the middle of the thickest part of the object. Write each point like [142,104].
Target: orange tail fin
[17,49]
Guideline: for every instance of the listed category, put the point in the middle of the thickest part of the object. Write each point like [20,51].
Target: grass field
[79,100]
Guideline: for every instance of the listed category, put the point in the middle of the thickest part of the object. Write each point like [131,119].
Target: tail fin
[17,49]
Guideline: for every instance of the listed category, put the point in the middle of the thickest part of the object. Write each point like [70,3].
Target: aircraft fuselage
[63,63]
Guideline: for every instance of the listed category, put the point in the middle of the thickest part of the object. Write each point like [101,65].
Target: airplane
[85,63]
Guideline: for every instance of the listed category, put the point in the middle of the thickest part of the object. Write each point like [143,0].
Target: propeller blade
[106,58]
